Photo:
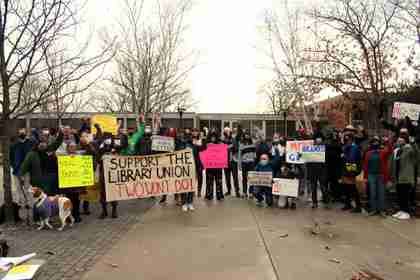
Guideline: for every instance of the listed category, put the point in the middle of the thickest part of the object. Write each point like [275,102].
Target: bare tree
[360,48]
[151,64]
[66,96]
[289,42]
[32,33]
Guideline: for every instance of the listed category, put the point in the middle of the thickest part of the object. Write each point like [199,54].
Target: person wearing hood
[247,156]
[18,151]
[232,169]
[352,167]
[214,176]
[403,162]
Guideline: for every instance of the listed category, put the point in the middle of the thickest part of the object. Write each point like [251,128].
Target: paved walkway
[237,240]
[69,254]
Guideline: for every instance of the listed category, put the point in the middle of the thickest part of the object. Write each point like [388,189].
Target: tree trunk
[7,179]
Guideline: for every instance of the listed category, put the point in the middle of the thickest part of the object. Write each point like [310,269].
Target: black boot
[114,213]
[85,207]
[104,213]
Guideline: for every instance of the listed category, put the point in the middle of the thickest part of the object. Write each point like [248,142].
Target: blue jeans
[376,192]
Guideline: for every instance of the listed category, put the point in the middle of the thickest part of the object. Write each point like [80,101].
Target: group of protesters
[383,161]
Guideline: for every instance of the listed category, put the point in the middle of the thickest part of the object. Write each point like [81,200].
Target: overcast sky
[224,32]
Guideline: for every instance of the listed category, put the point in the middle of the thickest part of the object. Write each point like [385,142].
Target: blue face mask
[264,162]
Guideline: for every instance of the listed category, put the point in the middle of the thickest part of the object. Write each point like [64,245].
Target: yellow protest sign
[75,171]
[108,123]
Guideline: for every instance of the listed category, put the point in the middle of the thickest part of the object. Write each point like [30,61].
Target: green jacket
[32,165]
[133,141]
[407,165]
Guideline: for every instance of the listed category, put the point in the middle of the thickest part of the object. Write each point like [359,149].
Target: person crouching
[261,192]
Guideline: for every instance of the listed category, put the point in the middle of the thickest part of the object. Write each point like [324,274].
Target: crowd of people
[349,153]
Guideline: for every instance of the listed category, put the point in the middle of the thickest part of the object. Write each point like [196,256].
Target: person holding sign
[265,165]
[317,174]
[214,175]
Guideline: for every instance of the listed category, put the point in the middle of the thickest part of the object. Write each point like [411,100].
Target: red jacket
[384,155]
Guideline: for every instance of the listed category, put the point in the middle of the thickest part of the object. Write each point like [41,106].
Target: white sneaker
[185,208]
[191,207]
[397,215]
[404,216]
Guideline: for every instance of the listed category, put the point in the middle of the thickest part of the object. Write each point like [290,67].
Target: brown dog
[47,207]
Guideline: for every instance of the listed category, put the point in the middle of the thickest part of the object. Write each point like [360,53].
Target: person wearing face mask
[68,137]
[247,156]
[375,171]
[317,175]
[232,169]
[130,149]
[18,151]
[37,163]
[403,162]
[266,165]
[352,158]
[214,176]
[198,145]
[106,147]
[144,146]
[333,161]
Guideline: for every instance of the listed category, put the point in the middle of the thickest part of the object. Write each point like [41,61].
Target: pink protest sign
[215,156]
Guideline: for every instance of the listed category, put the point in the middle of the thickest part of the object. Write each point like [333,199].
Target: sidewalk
[237,240]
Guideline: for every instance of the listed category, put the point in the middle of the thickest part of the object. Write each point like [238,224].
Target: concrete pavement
[237,240]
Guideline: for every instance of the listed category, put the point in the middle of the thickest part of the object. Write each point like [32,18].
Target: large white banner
[402,110]
[130,177]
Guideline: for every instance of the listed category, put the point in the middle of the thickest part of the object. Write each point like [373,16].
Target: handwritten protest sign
[108,123]
[262,179]
[75,171]
[130,177]
[294,150]
[285,187]
[402,110]
[313,153]
[215,156]
[163,143]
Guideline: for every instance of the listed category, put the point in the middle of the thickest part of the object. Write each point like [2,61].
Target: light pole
[181,111]
[285,123]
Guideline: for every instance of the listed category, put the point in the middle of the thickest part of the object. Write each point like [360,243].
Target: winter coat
[333,159]
[18,152]
[403,163]
[384,155]
[352,161]
[38,164]
[132,145]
